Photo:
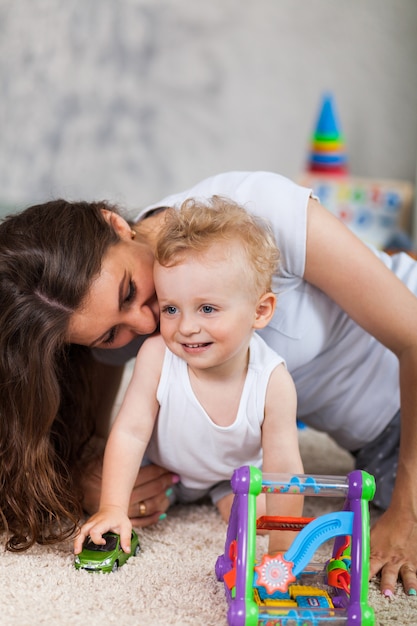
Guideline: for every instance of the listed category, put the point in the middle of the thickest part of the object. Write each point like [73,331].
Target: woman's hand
[150,495]
[394,551]
[149,499]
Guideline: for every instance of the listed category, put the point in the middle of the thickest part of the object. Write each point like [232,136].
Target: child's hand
[107,518]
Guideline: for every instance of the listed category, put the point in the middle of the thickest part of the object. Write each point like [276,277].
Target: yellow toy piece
[306,595]
[284,603]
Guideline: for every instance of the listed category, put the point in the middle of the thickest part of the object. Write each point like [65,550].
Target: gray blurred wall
[132,99]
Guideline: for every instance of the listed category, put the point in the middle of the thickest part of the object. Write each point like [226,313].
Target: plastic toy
[107,557]
[376,210]
[288,589]
[328,155]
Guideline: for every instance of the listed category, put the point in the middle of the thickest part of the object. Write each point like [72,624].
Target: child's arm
[281,451]
[125,448]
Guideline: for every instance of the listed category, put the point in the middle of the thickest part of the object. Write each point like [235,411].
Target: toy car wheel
[115,566]
[137,550]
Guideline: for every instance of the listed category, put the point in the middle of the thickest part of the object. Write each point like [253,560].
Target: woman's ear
[118,223]
[265,310]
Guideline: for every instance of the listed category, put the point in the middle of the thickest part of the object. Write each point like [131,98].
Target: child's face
[208,306]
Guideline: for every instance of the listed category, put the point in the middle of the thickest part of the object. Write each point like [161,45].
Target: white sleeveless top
[186,441]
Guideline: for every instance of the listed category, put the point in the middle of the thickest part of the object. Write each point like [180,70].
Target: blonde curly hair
[198,224]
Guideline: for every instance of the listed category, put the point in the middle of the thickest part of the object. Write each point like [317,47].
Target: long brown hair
[49,255]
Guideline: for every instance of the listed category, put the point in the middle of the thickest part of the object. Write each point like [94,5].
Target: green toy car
[108,557]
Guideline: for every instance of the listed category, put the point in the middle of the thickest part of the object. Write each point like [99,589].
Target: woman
[345,325]
[49,256]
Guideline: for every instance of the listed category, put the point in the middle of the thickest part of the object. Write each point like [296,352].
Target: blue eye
[170,310]
[207,308]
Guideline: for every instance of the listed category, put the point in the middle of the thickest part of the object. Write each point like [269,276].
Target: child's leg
[222,496]
[224,506]
[279,541]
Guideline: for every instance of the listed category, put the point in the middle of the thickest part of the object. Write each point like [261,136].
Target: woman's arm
[346,270]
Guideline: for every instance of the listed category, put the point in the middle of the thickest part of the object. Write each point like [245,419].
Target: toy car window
[111,544]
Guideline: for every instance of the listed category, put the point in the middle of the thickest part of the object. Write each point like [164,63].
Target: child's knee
[224,506]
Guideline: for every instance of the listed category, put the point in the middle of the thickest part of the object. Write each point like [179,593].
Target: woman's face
[121,302]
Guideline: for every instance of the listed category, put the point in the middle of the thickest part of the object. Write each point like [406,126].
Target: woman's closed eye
[110,337]
[129,297]
[131,293]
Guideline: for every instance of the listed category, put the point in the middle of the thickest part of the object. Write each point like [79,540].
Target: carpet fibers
[171,582]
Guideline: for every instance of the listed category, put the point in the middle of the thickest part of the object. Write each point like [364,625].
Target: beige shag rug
[171,583]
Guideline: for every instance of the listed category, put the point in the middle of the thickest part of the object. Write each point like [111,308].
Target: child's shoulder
[153,346]
[150,358]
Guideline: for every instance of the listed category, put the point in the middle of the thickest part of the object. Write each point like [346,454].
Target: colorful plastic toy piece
[278,590]
[328,155]
[107,557]
[275,573]
[338,568]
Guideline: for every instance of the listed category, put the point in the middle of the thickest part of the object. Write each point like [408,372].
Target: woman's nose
[143,320]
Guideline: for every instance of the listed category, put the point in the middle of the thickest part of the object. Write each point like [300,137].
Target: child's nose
[189,325]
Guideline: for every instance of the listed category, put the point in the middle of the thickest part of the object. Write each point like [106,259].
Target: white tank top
[186,441]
